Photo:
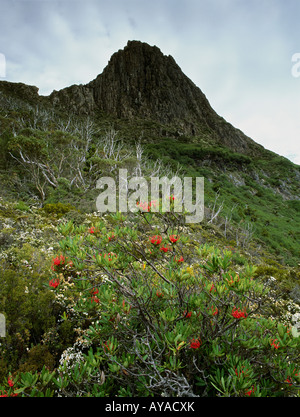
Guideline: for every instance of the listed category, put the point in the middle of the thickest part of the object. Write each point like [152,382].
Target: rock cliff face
[21,91]
[78,99]
[140,81]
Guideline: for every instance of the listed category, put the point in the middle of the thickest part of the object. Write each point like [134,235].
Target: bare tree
[216,210]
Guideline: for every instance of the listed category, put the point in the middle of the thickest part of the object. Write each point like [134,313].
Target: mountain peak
[139,81]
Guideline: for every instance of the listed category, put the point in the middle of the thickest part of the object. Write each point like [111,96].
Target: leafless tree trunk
[216,210]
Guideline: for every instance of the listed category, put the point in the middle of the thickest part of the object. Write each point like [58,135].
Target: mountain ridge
[140,81]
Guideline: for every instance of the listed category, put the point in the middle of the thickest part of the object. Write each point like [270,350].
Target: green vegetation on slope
[140,306]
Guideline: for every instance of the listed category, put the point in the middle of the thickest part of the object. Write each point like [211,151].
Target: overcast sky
[238,52]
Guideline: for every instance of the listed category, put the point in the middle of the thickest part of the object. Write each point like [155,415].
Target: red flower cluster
[11,384]
[58,262]
[108,346]
[146,206]
[110,256]
[238,374]
[289,379]
[94,298]
[274,344]
[233,280]
[112,236]
[214,310]
[156,240]
[195,343]
[179,259]
[164,248]
[187,314]
[54,282]
[174,238]
[238,313]
[212,288]
[251,391]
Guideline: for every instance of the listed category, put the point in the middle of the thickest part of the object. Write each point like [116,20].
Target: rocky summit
[141,82]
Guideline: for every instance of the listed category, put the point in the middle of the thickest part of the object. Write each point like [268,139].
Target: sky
[244,55]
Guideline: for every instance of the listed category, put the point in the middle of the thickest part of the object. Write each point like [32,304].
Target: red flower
[212,288]
[143,206]
[250,391]
[156,240]
[214,311]
[179,260]
[274,344]
[10,382]
[173,238]
[110,255]
[187,314]
[54,282]
[95,299]
[108,346]
[195,343]
[159,294]
[233,280]
[289,379]
[164,248]
[112,236]
[105,346]
[238,374]
[57,262]
[238,313]
[146,206]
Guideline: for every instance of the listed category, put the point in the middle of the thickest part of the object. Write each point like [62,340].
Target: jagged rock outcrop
[20,91]
[140,81]
[76,99]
